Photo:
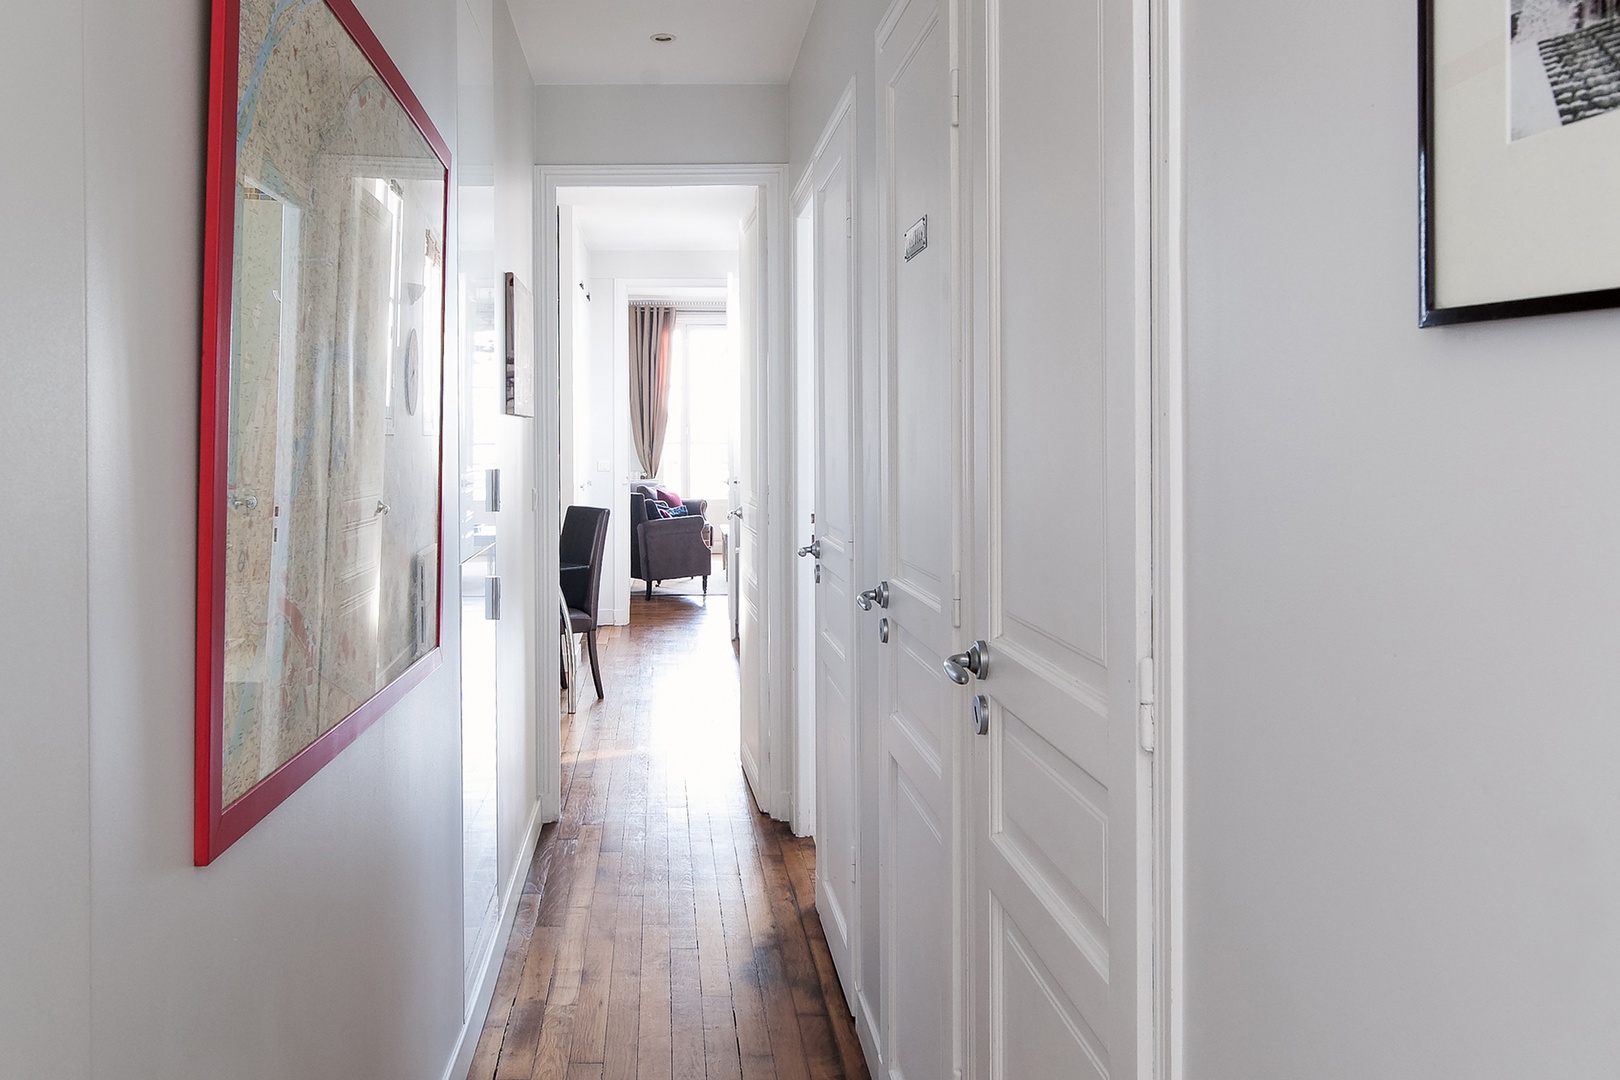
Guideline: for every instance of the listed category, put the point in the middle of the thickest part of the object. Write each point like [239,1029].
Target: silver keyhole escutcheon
[883,631]
[981,715]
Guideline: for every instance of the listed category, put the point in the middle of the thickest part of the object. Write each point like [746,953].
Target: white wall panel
[44,609]
[1403,593]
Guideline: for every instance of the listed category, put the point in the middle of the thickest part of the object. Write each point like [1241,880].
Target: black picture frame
[1430,313]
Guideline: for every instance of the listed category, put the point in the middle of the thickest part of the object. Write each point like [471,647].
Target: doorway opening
[654,428]
[755,569]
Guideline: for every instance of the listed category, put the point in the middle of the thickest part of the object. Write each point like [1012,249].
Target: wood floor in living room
[667,931]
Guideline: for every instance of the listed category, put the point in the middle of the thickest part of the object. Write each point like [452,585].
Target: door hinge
[956,97]
[1147,720]
[956,598]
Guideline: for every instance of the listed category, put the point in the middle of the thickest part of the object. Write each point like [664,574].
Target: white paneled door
[751,564]
[833,545]
[1016,478]
[921,479]
[1059,884]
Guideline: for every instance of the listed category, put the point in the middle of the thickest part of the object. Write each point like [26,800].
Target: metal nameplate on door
[917,238]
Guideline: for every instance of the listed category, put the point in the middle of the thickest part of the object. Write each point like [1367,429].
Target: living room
[650,382]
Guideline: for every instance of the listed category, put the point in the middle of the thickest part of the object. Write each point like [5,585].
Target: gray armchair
[662,549]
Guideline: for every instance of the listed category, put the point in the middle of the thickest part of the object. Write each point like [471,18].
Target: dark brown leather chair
[662,549]
[583,544]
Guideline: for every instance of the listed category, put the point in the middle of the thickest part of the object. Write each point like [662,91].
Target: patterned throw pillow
[663,508]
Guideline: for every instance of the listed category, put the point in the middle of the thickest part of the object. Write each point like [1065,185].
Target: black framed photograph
[1519,157]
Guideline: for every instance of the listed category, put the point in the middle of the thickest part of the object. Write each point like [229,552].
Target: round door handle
[812,549]
[975,660]
[878,596]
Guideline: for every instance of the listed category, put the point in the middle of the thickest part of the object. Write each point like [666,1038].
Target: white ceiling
[659,218]
[591,42]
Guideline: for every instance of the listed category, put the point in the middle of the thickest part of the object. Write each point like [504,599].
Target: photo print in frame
[1519,154]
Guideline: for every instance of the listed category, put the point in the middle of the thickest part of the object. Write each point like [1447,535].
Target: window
[698,446]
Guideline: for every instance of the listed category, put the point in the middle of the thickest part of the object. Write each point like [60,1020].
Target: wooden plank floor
[667,930]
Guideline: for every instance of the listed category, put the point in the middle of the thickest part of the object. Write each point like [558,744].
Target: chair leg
[705,584]
[596,668]
[649,588]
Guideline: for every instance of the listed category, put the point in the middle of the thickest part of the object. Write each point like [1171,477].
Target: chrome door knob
[812,549]
[878,596]
[976,661]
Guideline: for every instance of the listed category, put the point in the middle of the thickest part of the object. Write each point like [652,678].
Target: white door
[921,477]
[1059,879]
[833,546]
[751,564]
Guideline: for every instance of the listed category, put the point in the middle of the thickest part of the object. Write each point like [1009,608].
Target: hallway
[667,930]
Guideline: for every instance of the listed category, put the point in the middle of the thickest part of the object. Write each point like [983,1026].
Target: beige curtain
[651,328]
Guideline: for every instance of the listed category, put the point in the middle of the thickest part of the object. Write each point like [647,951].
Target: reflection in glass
[482,404]
[331,575]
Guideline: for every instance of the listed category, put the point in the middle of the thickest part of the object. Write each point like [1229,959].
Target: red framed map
[320,471]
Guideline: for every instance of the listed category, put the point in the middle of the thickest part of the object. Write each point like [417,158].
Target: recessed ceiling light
[663,39]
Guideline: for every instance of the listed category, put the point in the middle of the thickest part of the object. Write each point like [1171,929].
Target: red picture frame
[218,826]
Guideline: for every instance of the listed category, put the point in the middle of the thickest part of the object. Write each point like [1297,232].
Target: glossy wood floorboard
[667,930]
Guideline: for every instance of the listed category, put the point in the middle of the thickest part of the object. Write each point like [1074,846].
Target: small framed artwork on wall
[1519,158]
[319,508]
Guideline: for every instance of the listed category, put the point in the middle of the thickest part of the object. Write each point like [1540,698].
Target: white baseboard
[866,1029]
[751,774]
[490,963]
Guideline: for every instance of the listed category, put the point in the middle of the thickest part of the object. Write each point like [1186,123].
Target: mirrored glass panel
[331,561]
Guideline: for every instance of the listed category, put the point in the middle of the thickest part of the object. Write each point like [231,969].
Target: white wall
[660,125]
[327,942]
[522,532]
[601,387]
[44,607]
[1403,745]
[840,44]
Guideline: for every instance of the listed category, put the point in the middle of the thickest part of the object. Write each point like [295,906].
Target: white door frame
[798,205]
[776,367]
[1161,172]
